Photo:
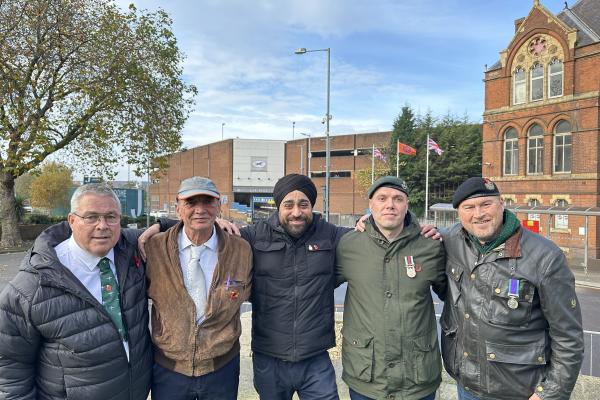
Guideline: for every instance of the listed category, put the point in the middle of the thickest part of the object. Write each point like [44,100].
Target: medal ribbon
[513,287]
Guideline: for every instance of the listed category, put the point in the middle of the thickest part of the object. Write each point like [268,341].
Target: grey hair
[97,189]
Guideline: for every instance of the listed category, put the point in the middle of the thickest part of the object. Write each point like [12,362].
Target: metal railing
[591,360]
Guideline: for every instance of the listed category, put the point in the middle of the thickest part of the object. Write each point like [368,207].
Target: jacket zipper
[295,304]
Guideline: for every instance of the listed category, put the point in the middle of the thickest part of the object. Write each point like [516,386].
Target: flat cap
[388,181]
[196,186]
[474,187]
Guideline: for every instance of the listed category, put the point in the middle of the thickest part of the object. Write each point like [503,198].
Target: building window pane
[562,147]
[520,88]
[535,150]
[555,78]
[537,82]
[511,152]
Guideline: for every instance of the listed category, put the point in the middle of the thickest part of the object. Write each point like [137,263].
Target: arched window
[511,152]
[508,202]
[535,150]
[537,82]
[520,86]
[562,147]
[555,78]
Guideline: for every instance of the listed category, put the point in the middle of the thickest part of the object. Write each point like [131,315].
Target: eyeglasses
[93,219]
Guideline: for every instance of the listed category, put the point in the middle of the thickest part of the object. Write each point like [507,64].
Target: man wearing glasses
[74,320]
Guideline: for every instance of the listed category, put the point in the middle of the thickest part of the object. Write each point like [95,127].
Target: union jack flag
[431,145]
[378,154]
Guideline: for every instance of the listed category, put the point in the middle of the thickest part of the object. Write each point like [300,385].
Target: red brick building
[541,121]
[349,154]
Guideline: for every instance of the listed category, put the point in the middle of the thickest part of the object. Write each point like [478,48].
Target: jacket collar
[511,248]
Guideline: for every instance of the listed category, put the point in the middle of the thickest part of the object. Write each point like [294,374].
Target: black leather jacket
[292,288]
[498,351]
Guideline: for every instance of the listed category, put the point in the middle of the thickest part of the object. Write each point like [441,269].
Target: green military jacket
[390,348]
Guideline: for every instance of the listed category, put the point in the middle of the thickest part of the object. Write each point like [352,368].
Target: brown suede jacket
[180,344]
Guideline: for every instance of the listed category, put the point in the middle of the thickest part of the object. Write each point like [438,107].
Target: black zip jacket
[292,289]
[56,339]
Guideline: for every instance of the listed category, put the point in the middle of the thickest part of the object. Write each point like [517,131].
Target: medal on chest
[409,262]
[513,293]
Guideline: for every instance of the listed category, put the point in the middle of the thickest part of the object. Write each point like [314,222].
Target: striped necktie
[110,296]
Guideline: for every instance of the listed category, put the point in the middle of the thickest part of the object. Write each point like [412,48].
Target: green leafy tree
[404,131]
[461,142]
[23,185]
[82,76]
[50,189]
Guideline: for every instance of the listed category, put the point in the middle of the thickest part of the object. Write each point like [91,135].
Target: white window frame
[563,148]
[537,78]
[519,83]
[514,150]
[554,74]
[538,139]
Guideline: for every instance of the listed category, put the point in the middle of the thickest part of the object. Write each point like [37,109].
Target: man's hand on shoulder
[228,227]
[145,237]
[360,224]
[430,231]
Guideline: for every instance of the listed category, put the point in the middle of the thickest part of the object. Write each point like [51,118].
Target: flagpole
[373,164]
[426,177]
[397,159]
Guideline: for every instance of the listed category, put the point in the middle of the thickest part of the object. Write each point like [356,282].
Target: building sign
[533,217]
[258,164]
[264,199]
[91,179]
[561,222]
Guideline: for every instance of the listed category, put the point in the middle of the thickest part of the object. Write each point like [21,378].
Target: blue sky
[429,54]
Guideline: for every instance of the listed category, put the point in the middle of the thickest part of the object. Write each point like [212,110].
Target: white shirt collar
[185,242]
[86,258]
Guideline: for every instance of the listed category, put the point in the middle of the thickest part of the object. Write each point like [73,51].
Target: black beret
[388,181]
[292,182]
[474,187]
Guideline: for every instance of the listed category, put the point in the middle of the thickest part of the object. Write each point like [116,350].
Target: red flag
[406,149]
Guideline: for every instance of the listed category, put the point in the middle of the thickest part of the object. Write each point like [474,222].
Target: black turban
[292,182]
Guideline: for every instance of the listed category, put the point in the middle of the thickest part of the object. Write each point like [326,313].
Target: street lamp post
[293,128]
[303,50]
[309,155]
[222,125]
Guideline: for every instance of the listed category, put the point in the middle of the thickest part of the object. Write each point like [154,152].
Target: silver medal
[410,271]
[513,303]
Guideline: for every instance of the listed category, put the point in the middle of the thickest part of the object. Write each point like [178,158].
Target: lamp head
[300,50]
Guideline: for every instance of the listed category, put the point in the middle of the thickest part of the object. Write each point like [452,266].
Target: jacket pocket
[269,259]
[427,363]
[501,312]
[357,355]
[514,369]
[449,349]
[455,273]
[320,258]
